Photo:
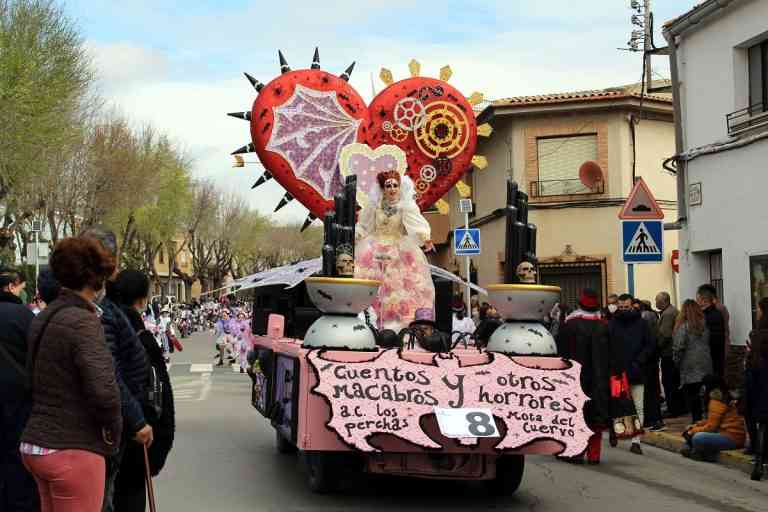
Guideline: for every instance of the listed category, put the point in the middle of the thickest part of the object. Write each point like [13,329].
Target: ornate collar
[389,209]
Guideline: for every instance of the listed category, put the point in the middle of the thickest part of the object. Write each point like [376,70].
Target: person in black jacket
[716,325]
[584,339]
[131,368]
[18,490]
[131,292]
[632,348]
[756,399]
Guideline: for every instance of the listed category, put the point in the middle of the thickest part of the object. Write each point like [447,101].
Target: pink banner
[389,395]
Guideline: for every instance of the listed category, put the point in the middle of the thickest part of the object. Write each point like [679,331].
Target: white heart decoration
[366,163]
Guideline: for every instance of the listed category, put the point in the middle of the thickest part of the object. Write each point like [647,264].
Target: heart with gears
[302,120]
[434,124]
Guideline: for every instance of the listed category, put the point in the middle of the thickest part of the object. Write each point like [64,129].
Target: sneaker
[635,448]
[658,427]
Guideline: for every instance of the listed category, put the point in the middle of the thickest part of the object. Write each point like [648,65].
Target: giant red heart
[301,120]
[299,123]
[434,124]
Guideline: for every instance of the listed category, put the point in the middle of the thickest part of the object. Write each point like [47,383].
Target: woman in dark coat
[18,490]
[132,290]
[756,384]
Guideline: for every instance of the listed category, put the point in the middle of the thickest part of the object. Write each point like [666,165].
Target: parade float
[370,384]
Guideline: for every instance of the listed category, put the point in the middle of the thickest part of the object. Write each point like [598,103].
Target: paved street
[224,459]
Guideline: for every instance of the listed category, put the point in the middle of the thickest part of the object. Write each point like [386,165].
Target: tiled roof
[626,91]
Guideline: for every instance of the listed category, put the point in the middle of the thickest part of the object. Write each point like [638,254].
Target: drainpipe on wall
[696,16]
[682,210]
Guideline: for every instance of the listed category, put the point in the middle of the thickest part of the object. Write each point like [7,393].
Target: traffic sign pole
[466,242]
[468,293]
[37,258]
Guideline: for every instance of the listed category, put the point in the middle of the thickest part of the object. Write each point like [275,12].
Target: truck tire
[322,472]
[284,446]
[509,475]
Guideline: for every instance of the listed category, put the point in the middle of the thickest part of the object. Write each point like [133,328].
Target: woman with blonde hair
[691,354]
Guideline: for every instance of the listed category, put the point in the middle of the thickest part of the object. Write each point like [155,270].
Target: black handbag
[153,398]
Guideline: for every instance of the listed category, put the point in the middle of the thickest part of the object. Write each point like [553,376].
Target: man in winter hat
[584,339]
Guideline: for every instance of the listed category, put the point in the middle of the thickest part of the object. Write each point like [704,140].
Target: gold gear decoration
[398,134]
[445,131]
[421,186]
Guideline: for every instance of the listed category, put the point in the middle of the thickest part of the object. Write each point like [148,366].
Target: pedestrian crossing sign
[466,242]
[642,241]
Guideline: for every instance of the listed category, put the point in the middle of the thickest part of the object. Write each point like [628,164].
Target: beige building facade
[541,141]
[169,284]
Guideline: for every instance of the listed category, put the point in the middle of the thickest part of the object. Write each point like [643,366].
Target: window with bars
[758,77]
[716,271]
[559,162]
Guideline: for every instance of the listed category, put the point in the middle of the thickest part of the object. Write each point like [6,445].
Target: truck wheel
[509,475]
[321,472]
[284,446]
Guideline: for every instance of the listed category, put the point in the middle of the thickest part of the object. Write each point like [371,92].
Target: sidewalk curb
[735,459]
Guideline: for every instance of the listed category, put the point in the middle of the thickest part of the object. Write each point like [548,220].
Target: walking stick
[148,478]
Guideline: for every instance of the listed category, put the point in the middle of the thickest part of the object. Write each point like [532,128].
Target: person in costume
[244,340]
[584,339]
[462,325]
[390,233]
[225,341]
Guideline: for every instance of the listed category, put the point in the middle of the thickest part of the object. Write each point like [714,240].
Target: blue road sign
[642,241]
[466,242]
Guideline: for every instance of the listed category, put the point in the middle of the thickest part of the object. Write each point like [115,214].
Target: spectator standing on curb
[132,290]
[652,395]
[47,286]
[75,420]
[691,354]
[612,305]
[722,430]
[131,368]
[584,338]
[756,379]
[633,347]
[715,325]
[18,491]
[670,374]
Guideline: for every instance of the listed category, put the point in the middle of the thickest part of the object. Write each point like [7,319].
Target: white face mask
[612,308]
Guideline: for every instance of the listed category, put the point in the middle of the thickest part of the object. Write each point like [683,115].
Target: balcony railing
[546,188]
[753,115]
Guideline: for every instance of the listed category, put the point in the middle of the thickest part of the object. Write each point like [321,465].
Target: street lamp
[36,228]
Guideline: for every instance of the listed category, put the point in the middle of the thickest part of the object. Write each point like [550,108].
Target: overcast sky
[179,64]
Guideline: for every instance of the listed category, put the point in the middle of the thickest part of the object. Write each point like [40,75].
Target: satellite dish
[590,174]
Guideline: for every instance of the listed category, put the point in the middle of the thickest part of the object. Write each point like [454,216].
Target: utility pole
[647,39]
